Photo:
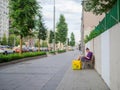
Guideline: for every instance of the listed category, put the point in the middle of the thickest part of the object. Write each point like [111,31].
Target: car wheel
[6,53]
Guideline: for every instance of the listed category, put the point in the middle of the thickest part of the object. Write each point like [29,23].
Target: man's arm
[89,55]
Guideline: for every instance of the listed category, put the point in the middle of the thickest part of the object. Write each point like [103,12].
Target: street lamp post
[54,25]
[82,31]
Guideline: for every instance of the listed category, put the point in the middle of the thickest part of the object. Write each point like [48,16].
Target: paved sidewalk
[87,79]
[49,73]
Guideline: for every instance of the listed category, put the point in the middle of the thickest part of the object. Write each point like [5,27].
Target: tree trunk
[20,44]
[42,43]
[38,45]
[60,46]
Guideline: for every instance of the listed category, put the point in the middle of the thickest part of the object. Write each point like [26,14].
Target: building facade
[91,21]
[4,18]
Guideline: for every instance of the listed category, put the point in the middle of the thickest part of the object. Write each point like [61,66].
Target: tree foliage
[72,39]
[41,28]
[44,44]
[22,15]
[56,37]
[62,29]
[42,31]
[98,6]
[68,41]
[51,36]
[11,40]
[4,40]
[17,41]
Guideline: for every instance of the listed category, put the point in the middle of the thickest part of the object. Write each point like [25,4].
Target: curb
[21,60]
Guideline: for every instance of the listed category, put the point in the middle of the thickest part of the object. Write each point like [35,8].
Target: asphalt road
[38,74]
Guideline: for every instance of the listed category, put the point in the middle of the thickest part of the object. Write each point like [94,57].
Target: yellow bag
[76,64]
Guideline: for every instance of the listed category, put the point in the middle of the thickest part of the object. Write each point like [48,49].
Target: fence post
[105,21]
[118,12]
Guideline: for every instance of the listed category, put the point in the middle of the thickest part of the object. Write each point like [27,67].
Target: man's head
[87,50]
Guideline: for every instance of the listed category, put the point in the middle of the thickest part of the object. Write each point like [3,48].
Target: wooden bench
[89,63]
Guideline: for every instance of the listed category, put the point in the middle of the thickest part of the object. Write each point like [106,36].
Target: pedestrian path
[87,79]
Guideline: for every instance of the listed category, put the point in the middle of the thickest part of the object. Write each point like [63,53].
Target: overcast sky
[71,9]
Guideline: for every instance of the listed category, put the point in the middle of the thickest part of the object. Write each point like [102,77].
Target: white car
[6,50]
[1,51]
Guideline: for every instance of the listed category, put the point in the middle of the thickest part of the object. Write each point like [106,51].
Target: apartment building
[4,18]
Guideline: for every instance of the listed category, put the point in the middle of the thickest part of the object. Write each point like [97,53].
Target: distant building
[4,18]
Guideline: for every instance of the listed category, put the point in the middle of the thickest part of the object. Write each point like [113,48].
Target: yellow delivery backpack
[76,64]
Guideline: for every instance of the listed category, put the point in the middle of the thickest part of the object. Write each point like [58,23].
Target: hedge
[59,51]
[16,56]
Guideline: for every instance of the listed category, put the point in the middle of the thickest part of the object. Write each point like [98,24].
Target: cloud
[68,6]
[71,9]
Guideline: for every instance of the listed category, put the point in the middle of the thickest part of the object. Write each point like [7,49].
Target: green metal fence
[111,18]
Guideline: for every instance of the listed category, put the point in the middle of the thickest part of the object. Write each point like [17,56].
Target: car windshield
[4,47]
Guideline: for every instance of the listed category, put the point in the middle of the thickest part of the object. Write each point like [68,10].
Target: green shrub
[16,56]
[61,51]
[52,52]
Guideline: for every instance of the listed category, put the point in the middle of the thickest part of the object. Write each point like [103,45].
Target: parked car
[1,51]
[33,49]
[44,48]
[24,49]
[16,49]
[6,49]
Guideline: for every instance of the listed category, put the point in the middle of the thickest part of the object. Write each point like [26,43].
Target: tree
[42,31]
[72,41]
[11,40]
[44,44]
[51,36]
[17,41]
[4,40]
[0,41]
[68,42]
[56,38]
[98,6]
[22,14]
[62,29]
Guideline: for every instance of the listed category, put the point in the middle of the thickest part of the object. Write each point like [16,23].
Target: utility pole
[54,25]
[82,31]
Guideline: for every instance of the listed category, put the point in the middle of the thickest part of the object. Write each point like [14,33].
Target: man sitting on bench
[87,57]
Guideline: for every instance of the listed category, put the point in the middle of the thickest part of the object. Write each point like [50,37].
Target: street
[49,73]
[39,74]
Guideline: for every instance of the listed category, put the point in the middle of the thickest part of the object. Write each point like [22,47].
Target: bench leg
[83,65]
